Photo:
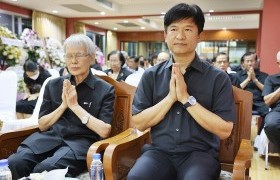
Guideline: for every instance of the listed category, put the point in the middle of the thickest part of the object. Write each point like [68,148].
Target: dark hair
[137,59]
[221,53]
[121,57]
[184,11]
[30,66]
[246,54]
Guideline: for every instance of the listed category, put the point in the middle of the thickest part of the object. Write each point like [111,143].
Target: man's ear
[92,60]
[164,34]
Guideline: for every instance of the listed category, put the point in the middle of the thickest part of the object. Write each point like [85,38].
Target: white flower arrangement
[33,45]
[55,52]
[9,55]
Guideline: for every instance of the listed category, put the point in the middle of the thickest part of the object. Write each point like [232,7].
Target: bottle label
[96,173]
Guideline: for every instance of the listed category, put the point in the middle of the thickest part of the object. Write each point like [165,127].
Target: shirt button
[178,112]
[177,129]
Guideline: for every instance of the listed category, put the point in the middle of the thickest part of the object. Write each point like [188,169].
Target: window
[14,23]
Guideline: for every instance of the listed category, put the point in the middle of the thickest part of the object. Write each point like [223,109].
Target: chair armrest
[242,160]
[9,141]
[100,146]
[120,156]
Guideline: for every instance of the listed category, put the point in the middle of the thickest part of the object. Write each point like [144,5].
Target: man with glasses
[77,110]
[221,61]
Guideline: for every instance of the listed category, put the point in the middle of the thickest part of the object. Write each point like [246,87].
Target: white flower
[10,56]
[55,52]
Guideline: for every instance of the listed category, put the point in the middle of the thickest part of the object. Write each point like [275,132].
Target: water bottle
[5,172]
[96,168]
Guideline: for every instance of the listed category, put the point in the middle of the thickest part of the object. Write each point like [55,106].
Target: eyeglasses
[77,56]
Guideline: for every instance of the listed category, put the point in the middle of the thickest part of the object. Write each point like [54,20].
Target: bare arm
[255,80]
[101,128]
[216,126]
[205,118]
[69,99]
[153,115]
[245,83]
[96,125]
[45,122]
[272,97]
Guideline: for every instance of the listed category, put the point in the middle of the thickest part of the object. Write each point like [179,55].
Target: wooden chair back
[241,129]
[124,94]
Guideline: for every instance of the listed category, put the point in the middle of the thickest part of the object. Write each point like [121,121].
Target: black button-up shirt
[178,131]
[258,102]
[271,84]
[94,95]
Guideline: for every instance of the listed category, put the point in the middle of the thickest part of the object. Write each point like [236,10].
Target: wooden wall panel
[209,35]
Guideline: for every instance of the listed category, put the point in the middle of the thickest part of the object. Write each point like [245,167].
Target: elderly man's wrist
[255,80]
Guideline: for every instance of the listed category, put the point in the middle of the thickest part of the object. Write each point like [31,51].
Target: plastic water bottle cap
[96,156]
[4,162]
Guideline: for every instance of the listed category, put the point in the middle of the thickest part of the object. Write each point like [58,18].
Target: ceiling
[145,15]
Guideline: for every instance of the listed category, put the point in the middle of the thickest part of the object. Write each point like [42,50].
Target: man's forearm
[153,115]
[210,121]
[244,83]
[272,97]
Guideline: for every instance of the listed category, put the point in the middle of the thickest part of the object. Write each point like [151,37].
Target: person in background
[253,80]
[187,103]
[153,59]
[133,64]
[34,76]
[162,56]
[77,110]
[117,71]
[146,62]
[271,94]
[221,61]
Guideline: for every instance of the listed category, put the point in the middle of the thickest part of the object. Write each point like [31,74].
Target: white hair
[80,40]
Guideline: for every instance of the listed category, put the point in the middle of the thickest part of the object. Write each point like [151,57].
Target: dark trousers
[155,164]
[24,162]
[272,127]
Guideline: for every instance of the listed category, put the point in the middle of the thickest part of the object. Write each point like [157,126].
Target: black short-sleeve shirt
[271,84]
[94,95]
[252,87]
[178,131]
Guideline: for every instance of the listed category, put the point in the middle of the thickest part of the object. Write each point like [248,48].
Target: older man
[77,110]
[162,56]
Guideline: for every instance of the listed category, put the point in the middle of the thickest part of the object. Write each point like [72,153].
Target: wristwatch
[85,119]
[190,102]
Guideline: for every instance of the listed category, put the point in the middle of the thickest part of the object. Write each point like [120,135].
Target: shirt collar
[195,64]
[89,81]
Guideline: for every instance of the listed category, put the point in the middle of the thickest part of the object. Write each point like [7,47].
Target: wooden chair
[9,141]
[235,152]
